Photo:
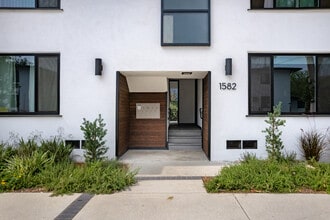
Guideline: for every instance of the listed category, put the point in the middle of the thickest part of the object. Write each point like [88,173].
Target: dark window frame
[320,6]
[36,63]
[272,55]
[36,7]
[250,144]
[206,11]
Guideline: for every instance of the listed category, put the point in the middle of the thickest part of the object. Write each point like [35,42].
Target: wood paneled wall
[123,116]
[147,133]
[206,116]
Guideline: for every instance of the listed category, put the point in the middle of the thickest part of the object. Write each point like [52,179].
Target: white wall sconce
[98,67]
[228,66]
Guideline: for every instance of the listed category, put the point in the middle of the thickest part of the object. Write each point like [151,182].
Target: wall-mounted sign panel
[148,110]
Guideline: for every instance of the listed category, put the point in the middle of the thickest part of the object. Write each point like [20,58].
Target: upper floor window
[29,84]
[28,4]
[300,82]
[185,23]
[289,4]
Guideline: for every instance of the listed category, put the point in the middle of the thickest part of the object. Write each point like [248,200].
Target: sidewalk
[169,187]
[169,199]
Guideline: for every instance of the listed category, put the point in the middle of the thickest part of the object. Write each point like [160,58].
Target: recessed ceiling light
[186,73]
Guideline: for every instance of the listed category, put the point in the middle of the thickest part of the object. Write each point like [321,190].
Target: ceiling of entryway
[167,74]
[157,81]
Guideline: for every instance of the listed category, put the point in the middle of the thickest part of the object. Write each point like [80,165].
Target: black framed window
[29,84]
[185,23]
[30,4]
[289,4]
[300,82]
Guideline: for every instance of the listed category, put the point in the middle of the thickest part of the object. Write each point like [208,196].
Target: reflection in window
[29,4]
[185,22]
[259,4]
[294,83]
[300,82]
[22,90]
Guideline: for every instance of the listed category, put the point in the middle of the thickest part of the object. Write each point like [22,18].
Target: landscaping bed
[266,176]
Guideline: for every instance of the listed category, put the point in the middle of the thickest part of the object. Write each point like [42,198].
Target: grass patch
[271,176]
[32,167]
[40,174]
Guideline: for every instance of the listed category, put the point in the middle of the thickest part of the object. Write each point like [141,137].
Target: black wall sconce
[98,67]
[228,66]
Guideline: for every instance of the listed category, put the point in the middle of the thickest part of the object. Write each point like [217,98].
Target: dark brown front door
[122,115]
[206,115]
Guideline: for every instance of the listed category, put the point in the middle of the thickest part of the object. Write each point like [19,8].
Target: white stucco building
[279,51]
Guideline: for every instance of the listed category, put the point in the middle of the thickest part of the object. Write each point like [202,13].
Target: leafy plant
[6,152]
[271,176]
[26,148]
[21,171]
[246,157]
[312,144]
[274,144]
[94,132]
[94,177]
[57,149]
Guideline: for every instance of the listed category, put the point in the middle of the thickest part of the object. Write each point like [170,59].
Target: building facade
[231,61]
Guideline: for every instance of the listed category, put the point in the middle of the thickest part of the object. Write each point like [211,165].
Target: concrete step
[184,147]
[185,140]
[194,132]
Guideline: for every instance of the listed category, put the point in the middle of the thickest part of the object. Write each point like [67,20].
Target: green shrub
[271,176]
[26,148]
[94,177]
[274,145]
[312,144]
[22,171]
[246,157]
[57,149]
[6,152]
[94,133]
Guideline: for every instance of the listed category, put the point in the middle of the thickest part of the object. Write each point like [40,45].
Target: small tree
[274,144]
[94,133]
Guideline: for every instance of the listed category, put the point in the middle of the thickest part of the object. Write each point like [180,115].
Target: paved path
[169,199]
[166,199]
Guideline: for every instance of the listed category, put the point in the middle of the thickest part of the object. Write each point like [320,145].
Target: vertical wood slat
[147,133]
[123,116]
[205,128]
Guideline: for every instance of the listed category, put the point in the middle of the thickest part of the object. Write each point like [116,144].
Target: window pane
[17,3]
[185,4]
[260,84]
[17,80]
[48,3]
[185,28]
[48,84]
[308,3]
[294,83]
[285,3]
[323,101]
[7,84]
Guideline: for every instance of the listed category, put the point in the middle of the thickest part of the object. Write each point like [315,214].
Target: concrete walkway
[166,199]
[179,163]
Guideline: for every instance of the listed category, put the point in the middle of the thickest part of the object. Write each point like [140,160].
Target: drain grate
[140,178]
[72,210]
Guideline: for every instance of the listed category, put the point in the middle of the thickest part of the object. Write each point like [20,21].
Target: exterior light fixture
[186,73]
[98,67]
[228,66]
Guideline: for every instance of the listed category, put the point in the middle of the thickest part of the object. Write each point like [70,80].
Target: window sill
[37,116]
[288,9]
[32,9]
[291,116]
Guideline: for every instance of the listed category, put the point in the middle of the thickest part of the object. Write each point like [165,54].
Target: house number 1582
[227,86]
